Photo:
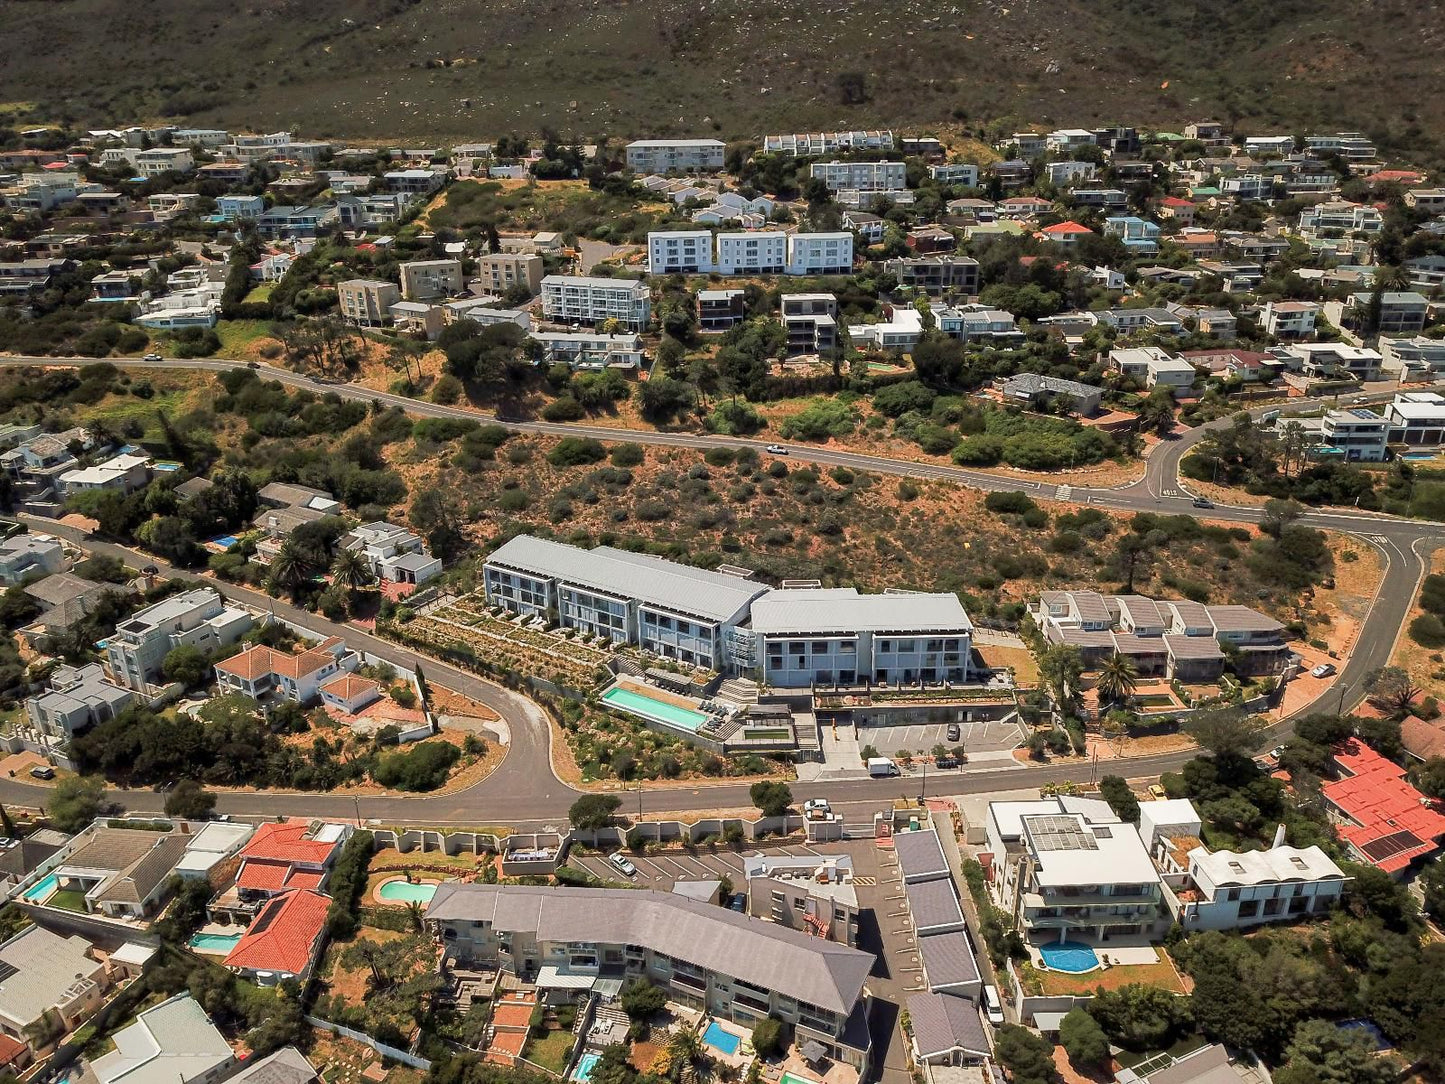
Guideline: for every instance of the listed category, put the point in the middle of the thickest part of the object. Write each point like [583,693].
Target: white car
[776,449]
[816,805]
[1324,669]
[152,357]
[621,863]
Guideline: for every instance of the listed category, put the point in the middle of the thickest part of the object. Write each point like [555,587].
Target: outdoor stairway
[738,690]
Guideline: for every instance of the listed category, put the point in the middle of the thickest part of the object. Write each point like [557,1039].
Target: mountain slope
[470,68]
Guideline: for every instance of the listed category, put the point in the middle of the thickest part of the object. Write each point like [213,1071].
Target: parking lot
[661,871]
[920,738]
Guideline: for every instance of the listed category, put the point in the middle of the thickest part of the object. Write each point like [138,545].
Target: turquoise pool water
[793,1078]
[42,890]
[226,540]
[658,711]
[220,943]
[408,893]
[583,1069]
[1072,956]
[719,1038]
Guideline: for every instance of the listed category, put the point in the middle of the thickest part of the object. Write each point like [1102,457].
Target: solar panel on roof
[7,970]
[266,917]
[1377,850]
[1060,834]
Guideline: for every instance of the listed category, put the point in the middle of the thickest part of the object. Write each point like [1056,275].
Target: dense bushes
[423,767]
[576,452]
[348,881]
[821,419]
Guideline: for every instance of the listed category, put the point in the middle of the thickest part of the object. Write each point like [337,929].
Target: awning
[1048,1021]
[554,978]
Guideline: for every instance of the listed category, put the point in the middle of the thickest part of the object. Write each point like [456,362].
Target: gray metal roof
[774,957]
[651,580]
[1242,619]
[948,961]
[942,1025]
[287,1066]
[933,905]
[172,1043]
[1193,647]
[42,967]
[920,855]
[809,611]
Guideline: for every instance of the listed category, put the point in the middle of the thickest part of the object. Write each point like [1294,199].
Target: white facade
[198,618]
[686,252]
[820,253]
[678,155]
[1289,319]
[393,553]
[812,144]
[158,160]
[861,176]
[1360,434]
[959,173]
[1417,358]
[574,299]
[760,252]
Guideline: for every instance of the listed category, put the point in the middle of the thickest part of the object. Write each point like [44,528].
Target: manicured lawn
[1160,974]
[551,1052]
[67,899]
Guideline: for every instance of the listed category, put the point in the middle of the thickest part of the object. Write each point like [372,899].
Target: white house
[393,553]
[25,555]
[261,672]
[964,174]
[575,299]
[1289,319]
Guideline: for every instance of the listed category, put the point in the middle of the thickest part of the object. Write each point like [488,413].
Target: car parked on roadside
[1324,669]
[776,449]
[954,732]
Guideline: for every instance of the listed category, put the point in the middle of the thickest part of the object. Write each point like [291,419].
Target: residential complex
[367,302]
[675,155]
[811,893]
[422,280]
[571,299]
[501,271]
[197,618]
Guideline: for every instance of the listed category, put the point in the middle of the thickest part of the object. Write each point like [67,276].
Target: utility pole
[924,792]
[357,800]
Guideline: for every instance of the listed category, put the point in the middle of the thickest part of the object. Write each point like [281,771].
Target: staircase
[739,690]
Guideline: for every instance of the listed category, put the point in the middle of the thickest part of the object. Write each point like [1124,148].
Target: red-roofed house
[1422,739]
[260,672]
[1181,210]
[1065,234]
[348,694]
[279,858]
[284,941]
[1396,176]
[1386,822]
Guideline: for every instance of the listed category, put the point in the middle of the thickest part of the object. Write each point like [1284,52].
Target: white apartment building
[676,155]
[964,174]
[1289,319]
[199,618]
[686,252]
[813,893]
[804,637]
[1278,146]
[1071,870]
[1413,359]
[591,350]
[422,280]
[1337,218]
[158,160]
[25,555]
[758,252]
[820,253]
[1351,146]
[706,957]
[577,299]
[671,610]
[813,144]
[367,302]
[1417,418]
[861,176]
[1357,434]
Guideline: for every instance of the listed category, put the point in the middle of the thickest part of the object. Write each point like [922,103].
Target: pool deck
[744,1055]
[1120,953]
[377,897]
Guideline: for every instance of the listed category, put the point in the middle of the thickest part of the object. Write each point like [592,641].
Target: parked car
[1276,752]
[621,863]
[992,1006]
[945,762]
[776,449]
[43,771]
[954,733]
[739,902]
[152,357]
[816,805]
[1157,792]
[1202,502]
[1324,669]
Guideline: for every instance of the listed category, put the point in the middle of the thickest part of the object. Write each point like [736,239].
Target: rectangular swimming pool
[218,943]
[721,1039]
[41,891]
[659,711]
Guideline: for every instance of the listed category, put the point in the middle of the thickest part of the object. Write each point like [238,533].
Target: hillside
[471,68]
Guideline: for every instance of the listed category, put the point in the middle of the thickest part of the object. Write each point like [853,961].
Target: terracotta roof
[287,842]
[1175,201]
[10,1049]
[259,660]
[1393,823]
[1422,739]
[348,685]
[271,875]
[283,935]
[1066,227]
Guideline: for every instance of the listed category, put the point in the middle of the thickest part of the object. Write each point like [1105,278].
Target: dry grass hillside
[472,68]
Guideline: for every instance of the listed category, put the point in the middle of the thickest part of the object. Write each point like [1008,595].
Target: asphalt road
[524,789]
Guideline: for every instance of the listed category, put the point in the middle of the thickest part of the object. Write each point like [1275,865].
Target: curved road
[524,789]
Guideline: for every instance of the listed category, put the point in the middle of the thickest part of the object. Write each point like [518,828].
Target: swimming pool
[719,1038]
[793,1078]
[583,1070]
[218,943]
[42,890]
[659,711]
[400,891]
[226,540]
[1072,956]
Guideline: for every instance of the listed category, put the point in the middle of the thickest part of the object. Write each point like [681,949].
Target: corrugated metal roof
[933,904]
[843,610]
[948,961]
[652,580]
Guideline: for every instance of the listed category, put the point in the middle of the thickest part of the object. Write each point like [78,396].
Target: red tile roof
[1393,822]
[11,1049]
[348,685]
[284,934]
[287,842]
[1175,201]
[270,875]
[1066,228]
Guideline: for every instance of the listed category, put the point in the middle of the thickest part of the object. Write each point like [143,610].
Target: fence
[403,1056]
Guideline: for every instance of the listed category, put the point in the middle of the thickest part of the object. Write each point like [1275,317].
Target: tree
[686,1053]
[350,569]
[1156,412]
[1392,688]
[1322,1052]
[593,811]
[437,515]
[1121,799]
[1118,678]
[75,802]
[1084,1040]
[1061,666]
[641,999]
[292,567]
[771,797]
[1225,732]
[1029,1058]
[1140,1017]
[769,1037]
[190,800]
[185,664]
[1279,514]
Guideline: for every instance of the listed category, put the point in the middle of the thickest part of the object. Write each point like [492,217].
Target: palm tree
[290,568]
[1392,277]
[685,1053]
[349,569]
[1118,678]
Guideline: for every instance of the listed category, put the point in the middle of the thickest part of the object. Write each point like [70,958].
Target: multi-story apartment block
[1231,890]
[675,155]
[813,144]
[1358,434]
[1072,875]
[1289,319]
[813,636]
[686,252]
[811,321]
[936,274]
[756,252]
[820,253]
[199,618]
[574,299]
[591,350]
[812,893]
[500,271]
[670,610]
[708,958]
[718,310]
[158,160]
[422,280]
[964,174]
[861,176]
[367,302]
[1351,146]
[1400,312]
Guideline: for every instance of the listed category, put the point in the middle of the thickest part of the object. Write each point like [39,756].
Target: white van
[992,1007]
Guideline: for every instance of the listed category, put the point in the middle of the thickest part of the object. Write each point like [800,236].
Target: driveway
[920,738]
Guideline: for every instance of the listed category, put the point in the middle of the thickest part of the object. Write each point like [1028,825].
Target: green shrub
[1427,630]
[821,419]
[423,767]
[565,409]
[577,452]
[1009,502]
[628,455]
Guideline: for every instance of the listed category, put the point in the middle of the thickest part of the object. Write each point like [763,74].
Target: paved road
[525,790]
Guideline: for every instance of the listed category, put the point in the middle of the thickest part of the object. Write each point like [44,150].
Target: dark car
[945,762]
[1202,502]
[739,902]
